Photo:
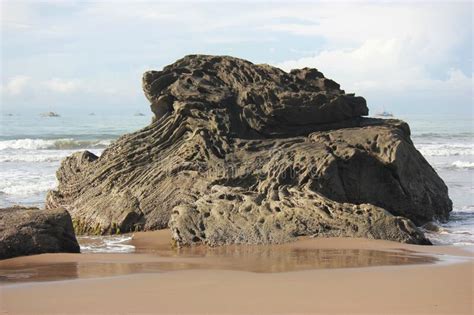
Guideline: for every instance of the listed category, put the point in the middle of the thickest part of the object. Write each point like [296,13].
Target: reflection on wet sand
[260,259]
[284,259]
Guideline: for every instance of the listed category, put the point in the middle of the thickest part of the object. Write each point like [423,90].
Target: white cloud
[15,14]
[374,62]
[62,85]
[380,65]
[160,11]
[386,48]
[372,48]
[17,84]
[357,22]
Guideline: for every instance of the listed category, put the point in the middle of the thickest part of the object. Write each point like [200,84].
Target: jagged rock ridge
[244,153]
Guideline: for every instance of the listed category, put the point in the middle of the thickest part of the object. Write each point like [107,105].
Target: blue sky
[81,56]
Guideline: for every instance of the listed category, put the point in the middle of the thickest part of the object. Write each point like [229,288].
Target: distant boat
[384,114]
[50,114]
[91,114]
[139,114]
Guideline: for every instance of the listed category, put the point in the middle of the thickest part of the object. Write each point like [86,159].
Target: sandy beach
[308,276]
[236,157]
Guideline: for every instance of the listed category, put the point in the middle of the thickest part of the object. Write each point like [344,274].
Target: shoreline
[307,276]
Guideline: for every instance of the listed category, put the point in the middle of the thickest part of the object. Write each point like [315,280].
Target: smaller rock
[28,231]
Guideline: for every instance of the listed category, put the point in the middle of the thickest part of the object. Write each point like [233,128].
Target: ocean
[32,147]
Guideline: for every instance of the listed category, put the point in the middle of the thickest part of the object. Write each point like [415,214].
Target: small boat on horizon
[50,114]
[384,114]
[139,114]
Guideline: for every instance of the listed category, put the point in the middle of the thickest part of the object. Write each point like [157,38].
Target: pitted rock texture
[232,215]
[28,231]
[244,153]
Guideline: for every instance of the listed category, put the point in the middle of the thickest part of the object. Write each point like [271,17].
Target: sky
[80,56]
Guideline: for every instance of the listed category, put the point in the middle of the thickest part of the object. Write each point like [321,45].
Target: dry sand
[308,276]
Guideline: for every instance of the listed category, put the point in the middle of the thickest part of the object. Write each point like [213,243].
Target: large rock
[28,231]
[244,153]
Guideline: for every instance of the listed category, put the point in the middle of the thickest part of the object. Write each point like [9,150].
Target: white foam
[462,232]
[29,144]
[463,244]
[106,244]
[463,210]
[449,239]
[32,158]
[446,149]
[28,189]
[28,180]
[463,164]
[39,156]
[41,144]
[452,233]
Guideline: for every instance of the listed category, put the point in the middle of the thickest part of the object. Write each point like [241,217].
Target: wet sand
[307,276]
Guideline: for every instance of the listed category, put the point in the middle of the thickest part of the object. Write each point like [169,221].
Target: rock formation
[28,231]
[244,153]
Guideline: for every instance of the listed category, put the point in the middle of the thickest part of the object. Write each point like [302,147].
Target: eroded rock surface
[28,231]
[244,153]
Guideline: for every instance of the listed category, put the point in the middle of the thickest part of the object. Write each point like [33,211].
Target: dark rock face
[28,231]
[249,100]
[244,153]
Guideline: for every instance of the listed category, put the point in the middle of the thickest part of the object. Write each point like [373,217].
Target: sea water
[32,147]
[447,142]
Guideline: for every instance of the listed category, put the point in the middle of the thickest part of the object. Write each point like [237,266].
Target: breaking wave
[33,158]
[53,144]
[446,149]
[463,164]
[459,230]
[27,189]
[39,156]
